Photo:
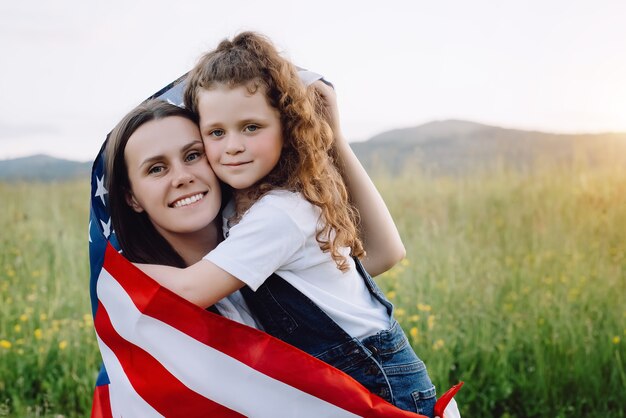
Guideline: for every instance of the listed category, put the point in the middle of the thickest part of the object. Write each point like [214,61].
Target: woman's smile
[187,200]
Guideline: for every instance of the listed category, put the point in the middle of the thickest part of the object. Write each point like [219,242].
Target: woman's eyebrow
[191,145]
[151,160]
[183,149]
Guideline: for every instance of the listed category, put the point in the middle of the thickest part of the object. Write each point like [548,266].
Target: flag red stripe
[101,407]
[268,355]
[151,380]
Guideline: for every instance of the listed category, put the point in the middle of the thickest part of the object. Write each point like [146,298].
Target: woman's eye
[156,169]
[251,128]
[193,156]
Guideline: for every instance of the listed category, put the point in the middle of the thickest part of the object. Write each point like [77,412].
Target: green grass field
[514,282]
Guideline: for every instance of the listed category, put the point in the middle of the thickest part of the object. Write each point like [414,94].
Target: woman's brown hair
[307,160]
[137,236]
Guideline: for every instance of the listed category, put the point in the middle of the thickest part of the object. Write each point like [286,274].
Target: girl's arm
[202,283]
[381,240]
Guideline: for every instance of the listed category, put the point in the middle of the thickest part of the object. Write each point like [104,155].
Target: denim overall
[384,362]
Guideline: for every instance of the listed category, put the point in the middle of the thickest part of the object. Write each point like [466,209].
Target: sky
[71,69]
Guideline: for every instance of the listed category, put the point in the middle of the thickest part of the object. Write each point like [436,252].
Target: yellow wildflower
[43,317]
[391,294]
[400,312]
[23,317]
[17,328]
[63,345]
[38,333]
[5,344]
[423,307]
[616,340]
[414,318]
[414,332]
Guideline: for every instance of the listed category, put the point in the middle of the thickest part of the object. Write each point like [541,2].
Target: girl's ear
[132,202]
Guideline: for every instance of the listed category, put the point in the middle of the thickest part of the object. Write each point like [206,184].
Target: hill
[43,168]
[456,147]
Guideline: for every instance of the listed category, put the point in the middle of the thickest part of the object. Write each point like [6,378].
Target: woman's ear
[132,202]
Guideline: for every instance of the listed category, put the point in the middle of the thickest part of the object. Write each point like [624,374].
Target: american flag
[164,356]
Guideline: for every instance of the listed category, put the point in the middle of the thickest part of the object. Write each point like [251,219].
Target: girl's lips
[187,200]
[237,164]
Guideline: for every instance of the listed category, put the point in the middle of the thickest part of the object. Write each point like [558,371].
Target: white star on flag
[101,191]
[106,228]
[181,104]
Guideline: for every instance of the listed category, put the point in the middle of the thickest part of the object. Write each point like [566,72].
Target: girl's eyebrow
[183,149]
[211,124]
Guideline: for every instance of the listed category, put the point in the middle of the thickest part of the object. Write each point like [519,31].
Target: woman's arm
[381,240]
[202,283]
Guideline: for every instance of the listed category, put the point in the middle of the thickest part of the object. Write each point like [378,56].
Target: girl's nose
[234,144]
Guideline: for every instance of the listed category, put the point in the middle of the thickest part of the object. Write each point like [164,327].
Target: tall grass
[514,282]
[48,353]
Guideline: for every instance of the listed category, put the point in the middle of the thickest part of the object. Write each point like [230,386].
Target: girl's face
[242,134]
[170,177]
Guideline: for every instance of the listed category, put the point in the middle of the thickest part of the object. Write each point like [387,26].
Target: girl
[290,215]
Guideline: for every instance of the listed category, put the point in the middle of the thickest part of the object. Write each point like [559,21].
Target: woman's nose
[182,175]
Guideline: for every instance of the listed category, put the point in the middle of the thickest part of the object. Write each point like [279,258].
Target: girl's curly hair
[307,162]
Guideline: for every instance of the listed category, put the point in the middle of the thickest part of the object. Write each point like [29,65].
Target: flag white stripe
[205,370]
[124,400]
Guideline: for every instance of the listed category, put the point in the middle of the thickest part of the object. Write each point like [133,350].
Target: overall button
[373,349]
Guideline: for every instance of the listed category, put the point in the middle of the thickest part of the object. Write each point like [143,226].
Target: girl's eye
[251,128]
[217,133]
[156,169]
[194,155]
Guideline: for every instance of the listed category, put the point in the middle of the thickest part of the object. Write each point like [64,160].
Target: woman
[150,180]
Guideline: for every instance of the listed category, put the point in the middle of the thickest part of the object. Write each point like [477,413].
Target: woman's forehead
[167,135]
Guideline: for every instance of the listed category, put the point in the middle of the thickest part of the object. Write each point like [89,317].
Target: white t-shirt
[277,235]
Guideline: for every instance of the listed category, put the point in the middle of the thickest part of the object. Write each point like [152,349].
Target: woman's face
[170,177]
